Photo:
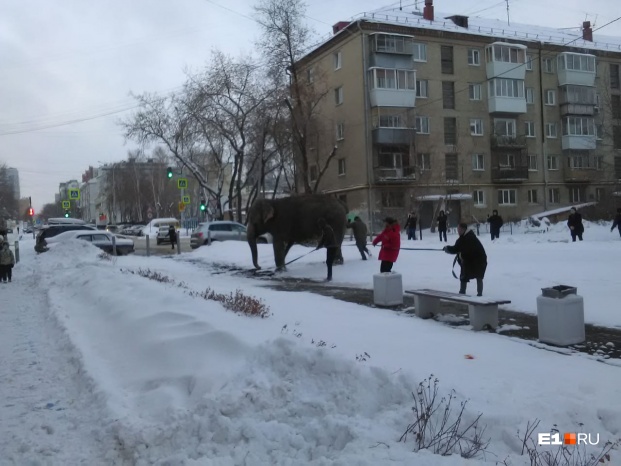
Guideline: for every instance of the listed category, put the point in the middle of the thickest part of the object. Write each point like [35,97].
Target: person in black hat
[574,222]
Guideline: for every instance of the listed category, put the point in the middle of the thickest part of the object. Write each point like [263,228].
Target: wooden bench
[482,311]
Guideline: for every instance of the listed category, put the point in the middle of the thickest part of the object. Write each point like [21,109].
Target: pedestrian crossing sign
[185,200]
[74,194]
[66,204]
[182,183]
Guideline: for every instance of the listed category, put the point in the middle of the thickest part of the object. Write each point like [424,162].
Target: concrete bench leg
[480,316]
[425,306]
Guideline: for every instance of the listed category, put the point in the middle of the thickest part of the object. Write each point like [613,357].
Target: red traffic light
[31,211]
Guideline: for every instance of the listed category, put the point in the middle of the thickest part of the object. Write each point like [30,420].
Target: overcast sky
[76,60]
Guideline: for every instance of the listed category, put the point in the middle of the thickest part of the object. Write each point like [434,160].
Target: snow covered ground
[103,366]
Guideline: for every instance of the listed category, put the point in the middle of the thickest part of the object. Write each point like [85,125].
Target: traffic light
[203,206]
[67,214]
[31,212]
[169,173]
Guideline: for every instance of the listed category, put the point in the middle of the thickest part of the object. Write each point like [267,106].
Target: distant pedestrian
[495,224]
[410,225]
[328,241]
[391,244]
[7,261]
[617,221]
[172,234]
[442,220]
[574,222]
[360,234]
[471,257]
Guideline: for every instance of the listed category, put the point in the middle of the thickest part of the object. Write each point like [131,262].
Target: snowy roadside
[51,412]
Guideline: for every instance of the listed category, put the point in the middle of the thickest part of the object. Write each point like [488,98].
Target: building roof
[493,28]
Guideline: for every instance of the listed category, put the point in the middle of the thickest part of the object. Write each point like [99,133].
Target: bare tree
[8,201]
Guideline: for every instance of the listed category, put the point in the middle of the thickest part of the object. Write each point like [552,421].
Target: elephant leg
[279,255]
[289,245]
[338,259]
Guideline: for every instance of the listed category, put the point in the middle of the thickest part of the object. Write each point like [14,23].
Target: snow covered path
[48,412]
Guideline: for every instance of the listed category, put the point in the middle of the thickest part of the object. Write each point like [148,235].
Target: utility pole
[508,23]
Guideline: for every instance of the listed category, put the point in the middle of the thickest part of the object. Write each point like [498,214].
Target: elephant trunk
[252,242]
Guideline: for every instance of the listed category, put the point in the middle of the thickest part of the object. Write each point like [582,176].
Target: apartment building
[468,115]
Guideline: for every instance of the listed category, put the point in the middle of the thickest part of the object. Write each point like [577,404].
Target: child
[7,261]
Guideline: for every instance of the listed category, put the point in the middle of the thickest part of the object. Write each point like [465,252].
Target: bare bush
[438,425]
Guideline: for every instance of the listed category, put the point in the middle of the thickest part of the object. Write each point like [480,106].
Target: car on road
[221,230]
[99,238]
[163,235]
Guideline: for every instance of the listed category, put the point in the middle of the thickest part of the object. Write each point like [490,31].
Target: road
[140,245]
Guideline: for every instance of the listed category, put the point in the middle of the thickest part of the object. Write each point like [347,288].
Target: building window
[554,196]
[616,137]
[529,62]
[614,76]
[476,127]
[507,197]
[474,57]
[530,95]
[548,65]
[599,132]
[341,167]
[448,94]
[422,89]
[529,129]
[383,78]
[576,195]
[478,198]
[450,131]
[502,87]
[532,162]
[599,162]
[578,162]
[338,95]
[313,172]
[504,53]
[340,131]
[393,199]
[424,161]
[576,62]
[310,75]
[391,43]
[478,163]
[390,121]
[618,168]
[422,124]
[446,59]
[532,196]
[578,126]
[338,60]
[550,97]
[600,194]
[474,91]
[552,162]
[420,51]
[504,127]
[451,167]
[615,104]
[551,130]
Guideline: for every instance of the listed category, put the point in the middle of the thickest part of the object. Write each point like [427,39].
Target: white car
[101,239]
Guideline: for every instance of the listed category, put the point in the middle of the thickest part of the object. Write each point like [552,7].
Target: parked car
[52,230]
[101,239]
[223,230]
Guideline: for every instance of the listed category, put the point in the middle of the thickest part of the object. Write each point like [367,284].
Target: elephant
[292,220]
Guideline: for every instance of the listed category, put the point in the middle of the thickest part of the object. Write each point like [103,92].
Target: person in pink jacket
[391,243]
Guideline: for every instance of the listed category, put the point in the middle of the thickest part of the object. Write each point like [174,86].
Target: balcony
[581,175]
[571,142]
[576,68]
[509,174]
[577,109]
[506,60]
[504,141]
[399,136]
[393,98]
[394,175]
[506,105]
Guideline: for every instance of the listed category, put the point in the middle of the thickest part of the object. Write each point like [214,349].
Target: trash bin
[560,316]
[387,289]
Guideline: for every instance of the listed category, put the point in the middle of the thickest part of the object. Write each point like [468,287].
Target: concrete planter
[387,289]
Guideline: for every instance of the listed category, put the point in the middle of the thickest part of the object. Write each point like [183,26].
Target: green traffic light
[66,215]
[202,206]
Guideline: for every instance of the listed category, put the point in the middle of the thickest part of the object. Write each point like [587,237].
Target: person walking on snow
[574,222]
[7,261]
[495,224]
[442,220]
[391,244]
[410,225]
[617,221]
[471,257]
[328,241]
[360,234]
[172,234]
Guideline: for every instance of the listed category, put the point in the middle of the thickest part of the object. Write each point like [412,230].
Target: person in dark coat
[172,234]
[471,258]
[574,222]
[410,225]
[617,221]
[391,244]
[360,234]
[442,220]
[495,224]
[328,241]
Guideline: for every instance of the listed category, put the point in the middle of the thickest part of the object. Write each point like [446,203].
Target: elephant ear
[268,212]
